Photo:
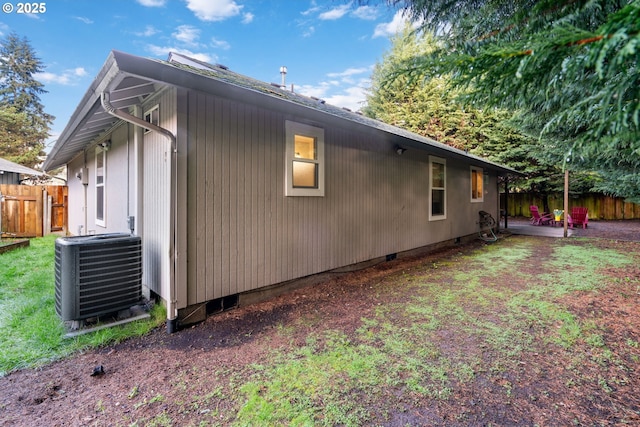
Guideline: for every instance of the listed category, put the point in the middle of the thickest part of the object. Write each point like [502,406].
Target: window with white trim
[438,189]
[101,194]
[304,169]
[477,184]
[152,116]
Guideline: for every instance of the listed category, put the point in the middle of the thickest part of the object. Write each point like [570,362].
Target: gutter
[172,312]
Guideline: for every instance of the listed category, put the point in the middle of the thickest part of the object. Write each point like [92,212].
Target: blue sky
[328,46]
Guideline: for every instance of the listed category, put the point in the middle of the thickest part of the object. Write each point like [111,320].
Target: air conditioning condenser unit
[97,275]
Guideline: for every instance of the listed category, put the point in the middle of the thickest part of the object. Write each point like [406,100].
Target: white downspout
[172,312]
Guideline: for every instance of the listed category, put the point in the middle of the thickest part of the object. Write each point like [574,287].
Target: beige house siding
[157,214]
[243,233]
[119,173]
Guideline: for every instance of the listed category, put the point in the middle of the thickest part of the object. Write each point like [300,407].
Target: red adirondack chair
[537,218]
[579,216]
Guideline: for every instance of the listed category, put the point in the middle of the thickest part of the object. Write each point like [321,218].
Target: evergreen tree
[569,68]
[428,106]
[24,125]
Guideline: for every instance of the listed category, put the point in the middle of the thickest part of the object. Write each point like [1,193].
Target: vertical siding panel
[276,203]
[210,216]
[270,202]
[254,263]
[241,171]
[233,197]
[218,202]
[202,173]
[192,191]
[226,185]
[248,234]
[266,191]
[157,206]
[260,194]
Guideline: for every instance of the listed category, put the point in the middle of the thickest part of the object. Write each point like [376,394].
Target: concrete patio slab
[537,230]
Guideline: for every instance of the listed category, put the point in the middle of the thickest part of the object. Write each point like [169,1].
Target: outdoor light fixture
[105,145]
[400,150]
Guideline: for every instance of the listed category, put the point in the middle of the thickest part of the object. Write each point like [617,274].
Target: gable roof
[130,80]
[8,166]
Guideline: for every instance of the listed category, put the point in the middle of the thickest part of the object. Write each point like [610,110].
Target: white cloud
[149,31]
[353,98]
[312,10]
[152,3]
[343,89]
[336,13]
[367,13]
[80,71]
[66,78]
[214,10]
[350,72]
[308,31]
[84,19]
[187,34]
[220,44]
[248,18]
[389,28]
[163,51]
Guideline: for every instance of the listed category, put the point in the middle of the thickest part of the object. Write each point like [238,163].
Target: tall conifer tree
[569,68]
[24,125]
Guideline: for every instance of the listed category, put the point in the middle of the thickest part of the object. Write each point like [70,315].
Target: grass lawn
[32,332]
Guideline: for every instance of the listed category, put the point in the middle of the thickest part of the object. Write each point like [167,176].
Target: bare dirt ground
[162,373]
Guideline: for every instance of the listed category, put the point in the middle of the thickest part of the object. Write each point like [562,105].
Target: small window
[305,160]
[101,167]
[437,184]
[477,184]
[152,116]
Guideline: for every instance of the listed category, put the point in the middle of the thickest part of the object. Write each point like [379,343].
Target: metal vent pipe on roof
[283,73]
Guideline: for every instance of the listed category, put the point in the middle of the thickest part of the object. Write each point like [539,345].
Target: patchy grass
[447,334]
[34,334]
[524,331]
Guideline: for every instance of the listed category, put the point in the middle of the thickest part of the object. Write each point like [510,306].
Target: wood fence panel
[59,205]
[22,209]
[599,206]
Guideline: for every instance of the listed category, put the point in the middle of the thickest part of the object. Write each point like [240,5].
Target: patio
[628,230]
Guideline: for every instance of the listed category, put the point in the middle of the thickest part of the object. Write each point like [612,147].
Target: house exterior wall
[9,178]
[127,165]
[243,233]
[235,225]
[156,196]
[118,178]
[75,215]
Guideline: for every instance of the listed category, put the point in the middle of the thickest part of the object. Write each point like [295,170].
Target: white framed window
[477,184]
[101,194]
[304,168]
[152,116]
[438,188]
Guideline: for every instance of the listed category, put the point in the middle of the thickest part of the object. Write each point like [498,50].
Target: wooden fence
[599,206]
[32,211]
